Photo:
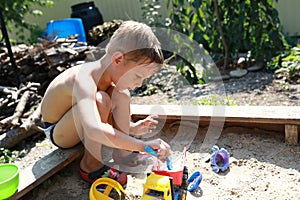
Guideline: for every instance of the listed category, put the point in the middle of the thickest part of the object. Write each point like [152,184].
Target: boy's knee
[103,100]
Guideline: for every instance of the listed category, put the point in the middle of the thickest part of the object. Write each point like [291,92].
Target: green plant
[287,64]
[7,156]
[218,25]
[216,100]
[184,54]
[14,13]
[151,13]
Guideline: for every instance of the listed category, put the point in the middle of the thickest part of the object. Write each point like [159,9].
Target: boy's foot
[133,160]
[104,172]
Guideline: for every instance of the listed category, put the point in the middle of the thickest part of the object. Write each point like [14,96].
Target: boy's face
[135,73]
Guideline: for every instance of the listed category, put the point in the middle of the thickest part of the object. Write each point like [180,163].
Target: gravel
[254,89]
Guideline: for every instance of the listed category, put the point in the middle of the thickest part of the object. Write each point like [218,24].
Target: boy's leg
[92,159]
[66,134]
[91,165]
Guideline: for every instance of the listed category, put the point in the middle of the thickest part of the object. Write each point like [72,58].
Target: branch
[9,91]
[221,33]
[14,136]
[14,119]
[31,121]
[30,86]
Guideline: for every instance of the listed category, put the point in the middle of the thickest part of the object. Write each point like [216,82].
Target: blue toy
[151,151]
[219,159]
[194,181]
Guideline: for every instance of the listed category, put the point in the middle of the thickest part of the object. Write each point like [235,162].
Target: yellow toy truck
[167,184]
[162,187]
[158,187]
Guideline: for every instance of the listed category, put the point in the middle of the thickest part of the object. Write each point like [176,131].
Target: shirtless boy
[90,103]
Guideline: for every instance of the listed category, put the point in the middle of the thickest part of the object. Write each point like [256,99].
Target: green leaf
[196,4]
[176,19]
[201,12]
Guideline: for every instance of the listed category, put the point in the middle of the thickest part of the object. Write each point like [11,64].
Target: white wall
[289,16]
[110,9]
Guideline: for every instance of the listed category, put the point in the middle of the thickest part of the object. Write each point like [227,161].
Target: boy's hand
[144,126]
[163,149]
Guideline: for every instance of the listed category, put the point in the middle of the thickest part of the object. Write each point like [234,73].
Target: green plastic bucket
[9,180]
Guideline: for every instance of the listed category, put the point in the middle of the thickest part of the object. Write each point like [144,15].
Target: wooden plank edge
[44,168]
[262,112]
[224,119]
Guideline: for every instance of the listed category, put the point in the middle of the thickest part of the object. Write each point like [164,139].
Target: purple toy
[219,159]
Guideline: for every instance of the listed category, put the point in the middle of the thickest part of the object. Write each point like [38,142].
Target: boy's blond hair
[136,41]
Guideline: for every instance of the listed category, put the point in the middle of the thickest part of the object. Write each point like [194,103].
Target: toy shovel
[151,151]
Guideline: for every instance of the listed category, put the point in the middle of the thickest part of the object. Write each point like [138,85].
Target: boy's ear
[117,58]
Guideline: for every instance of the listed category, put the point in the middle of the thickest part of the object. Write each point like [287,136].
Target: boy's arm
[143,126]
[121,110]
[121,115]
[87,114]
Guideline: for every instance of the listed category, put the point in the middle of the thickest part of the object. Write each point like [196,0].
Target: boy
[91,102]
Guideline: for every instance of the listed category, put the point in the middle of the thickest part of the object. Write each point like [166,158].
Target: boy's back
[58,98]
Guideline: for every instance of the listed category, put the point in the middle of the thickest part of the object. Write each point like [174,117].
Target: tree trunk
[226,50]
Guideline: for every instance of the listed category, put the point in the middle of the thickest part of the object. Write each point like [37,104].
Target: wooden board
[287,116]
[42,169]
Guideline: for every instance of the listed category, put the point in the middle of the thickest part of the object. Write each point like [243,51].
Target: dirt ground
[261,165]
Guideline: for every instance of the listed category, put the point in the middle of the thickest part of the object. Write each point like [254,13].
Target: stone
[255,68]
[225,77]
[219,78]
[238,73]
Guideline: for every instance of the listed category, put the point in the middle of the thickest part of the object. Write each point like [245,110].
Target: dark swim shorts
[48,129]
